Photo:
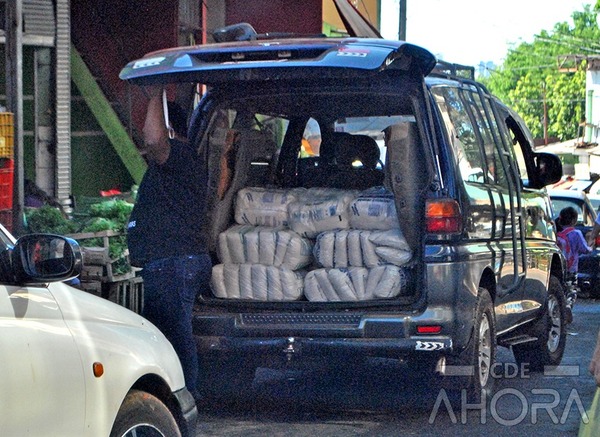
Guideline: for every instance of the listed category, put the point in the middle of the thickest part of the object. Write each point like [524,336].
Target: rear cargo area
[291,221]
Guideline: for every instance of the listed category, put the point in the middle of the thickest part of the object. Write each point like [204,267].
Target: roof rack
[454,70]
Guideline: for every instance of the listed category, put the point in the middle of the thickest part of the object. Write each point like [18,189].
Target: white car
[74,364]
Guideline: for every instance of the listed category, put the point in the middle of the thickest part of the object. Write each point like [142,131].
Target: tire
[550,330]
[144,415]
[595,290]
[480,356]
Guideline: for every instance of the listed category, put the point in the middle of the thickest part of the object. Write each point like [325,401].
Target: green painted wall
[95,164]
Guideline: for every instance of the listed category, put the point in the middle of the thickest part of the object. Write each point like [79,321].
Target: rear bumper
[318,348]
[315,336]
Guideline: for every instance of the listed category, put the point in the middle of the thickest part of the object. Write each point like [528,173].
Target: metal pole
[545,114]
[14,100]
[589,116]
[402,21]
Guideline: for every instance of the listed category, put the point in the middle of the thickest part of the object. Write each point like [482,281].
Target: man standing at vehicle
[165,233]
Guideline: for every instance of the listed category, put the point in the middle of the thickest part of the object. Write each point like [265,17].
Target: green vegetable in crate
[117,245]
[117,210]
[48,219]
[99,224]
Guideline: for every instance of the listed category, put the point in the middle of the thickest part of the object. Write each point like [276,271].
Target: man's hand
[595,364]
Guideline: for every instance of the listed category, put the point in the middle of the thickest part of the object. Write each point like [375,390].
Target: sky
[470,32]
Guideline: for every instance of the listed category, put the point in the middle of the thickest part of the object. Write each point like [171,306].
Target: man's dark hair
[177,118]
[568,216]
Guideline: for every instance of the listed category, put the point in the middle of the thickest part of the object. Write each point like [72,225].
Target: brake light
[597,241]
[429,329]
[443,216]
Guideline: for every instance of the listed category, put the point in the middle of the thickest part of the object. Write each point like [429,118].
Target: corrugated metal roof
[39,23]
[63,101]
[39,18]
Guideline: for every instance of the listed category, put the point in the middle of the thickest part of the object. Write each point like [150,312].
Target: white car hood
[128,346]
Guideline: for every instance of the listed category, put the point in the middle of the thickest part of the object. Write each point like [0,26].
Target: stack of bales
[350,242]
[365,261]
[262,259]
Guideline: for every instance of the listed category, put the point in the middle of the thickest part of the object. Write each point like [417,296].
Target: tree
[530,79]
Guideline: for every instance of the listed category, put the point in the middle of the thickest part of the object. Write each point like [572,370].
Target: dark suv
[365,202]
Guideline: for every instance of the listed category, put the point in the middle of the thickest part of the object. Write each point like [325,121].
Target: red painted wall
[298,16]
[110,33]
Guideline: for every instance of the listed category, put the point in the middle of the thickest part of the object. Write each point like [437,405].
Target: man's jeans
[170,289]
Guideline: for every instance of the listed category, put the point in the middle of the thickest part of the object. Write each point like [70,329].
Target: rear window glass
[297,130]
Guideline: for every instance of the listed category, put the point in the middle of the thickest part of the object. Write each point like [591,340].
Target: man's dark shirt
[167,217]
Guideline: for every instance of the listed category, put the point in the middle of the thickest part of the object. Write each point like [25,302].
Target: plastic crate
[7,136]
[7,170]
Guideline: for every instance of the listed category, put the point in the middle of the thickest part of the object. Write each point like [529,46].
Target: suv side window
[488,129]
[461,132]
[514,141]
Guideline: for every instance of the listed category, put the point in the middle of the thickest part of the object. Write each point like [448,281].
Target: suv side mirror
[548,169]
[42,258]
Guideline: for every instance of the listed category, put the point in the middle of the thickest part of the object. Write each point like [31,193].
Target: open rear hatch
[262,259]
[276,60]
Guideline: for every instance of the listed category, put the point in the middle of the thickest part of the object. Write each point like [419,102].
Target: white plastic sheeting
[354,284]
[278,247]
[320,210]
[257,282]
[355,238]
[374,209]
[361,248]
[264,207]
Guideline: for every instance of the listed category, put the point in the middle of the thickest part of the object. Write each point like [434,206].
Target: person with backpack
[572,243]
[571,240]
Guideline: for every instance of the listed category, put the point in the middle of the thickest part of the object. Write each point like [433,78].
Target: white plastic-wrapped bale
[259,206]
[230,248]
[361,248]
[320,210]
[374,209]
[264,245]
[257,282]
[354,284]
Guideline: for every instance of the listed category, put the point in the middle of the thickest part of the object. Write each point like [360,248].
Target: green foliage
[48,219]
[117,210]
[110,215]
[534,81]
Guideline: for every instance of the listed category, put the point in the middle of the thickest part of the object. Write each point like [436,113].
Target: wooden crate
[97,263]
[128,293]
[93,287]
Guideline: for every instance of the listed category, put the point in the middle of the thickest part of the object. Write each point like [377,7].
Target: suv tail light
[443,216]
[597,242]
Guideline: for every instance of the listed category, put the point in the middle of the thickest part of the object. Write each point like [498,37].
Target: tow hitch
[290,349]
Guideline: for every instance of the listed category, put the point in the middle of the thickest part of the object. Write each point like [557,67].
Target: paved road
[379,399]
